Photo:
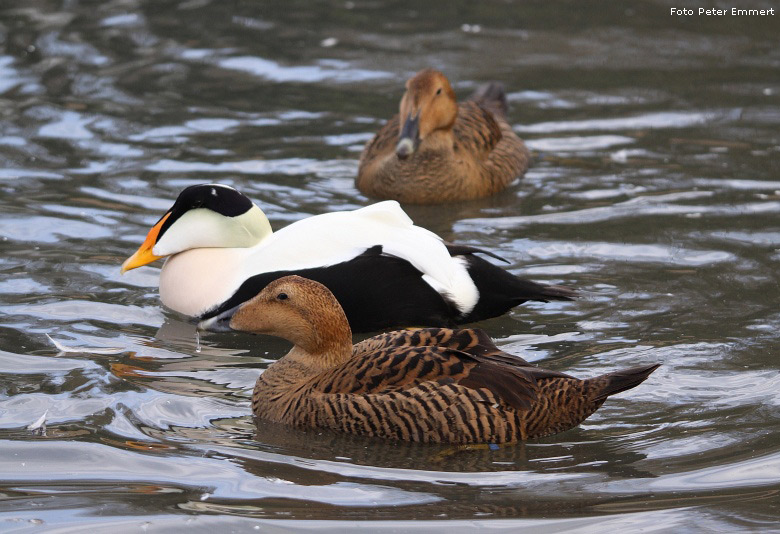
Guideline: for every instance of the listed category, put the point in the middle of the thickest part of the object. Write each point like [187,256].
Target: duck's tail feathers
[623,380]
[500,290]
[492,97]
[553,292]
[522,290]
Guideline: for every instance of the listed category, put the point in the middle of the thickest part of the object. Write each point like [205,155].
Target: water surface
[655,191]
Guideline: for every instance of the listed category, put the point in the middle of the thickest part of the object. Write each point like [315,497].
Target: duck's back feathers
[383,143]
[463,250]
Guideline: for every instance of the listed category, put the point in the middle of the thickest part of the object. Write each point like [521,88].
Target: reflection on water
[655,191]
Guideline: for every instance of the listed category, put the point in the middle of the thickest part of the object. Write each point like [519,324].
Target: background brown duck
[429,385]
[444,151]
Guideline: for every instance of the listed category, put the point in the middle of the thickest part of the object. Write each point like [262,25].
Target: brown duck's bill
[144,254]
[218,323]
[409,138]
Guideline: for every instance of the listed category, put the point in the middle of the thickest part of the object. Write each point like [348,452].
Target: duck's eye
[438,91]
[282,296]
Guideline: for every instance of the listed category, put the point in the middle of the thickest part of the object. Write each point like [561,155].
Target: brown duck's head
[294,308]
[428,105]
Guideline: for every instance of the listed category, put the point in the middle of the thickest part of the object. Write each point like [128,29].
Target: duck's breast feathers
[477,131]
[383,143]
[402,360]
[195,281]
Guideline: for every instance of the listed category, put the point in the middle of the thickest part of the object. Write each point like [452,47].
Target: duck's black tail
[546,293]
[492,97]
[500,291]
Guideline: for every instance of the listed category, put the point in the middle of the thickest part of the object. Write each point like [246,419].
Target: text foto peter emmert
[712,12]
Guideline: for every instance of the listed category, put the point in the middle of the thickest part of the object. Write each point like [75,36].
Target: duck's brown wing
[476,131]
[472,341]
[459,338]
[404,359]
[397,369]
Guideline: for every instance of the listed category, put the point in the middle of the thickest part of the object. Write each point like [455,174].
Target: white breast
[194,281]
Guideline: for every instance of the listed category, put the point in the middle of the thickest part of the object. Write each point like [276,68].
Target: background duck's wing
[476,130]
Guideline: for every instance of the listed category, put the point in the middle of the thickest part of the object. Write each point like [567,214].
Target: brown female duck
[444,151]
[429,385]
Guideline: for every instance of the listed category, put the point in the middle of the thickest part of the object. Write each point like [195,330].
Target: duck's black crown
[222,199]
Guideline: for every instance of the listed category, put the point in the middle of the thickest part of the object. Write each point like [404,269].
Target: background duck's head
[294,308]
[203,216]
[428,105]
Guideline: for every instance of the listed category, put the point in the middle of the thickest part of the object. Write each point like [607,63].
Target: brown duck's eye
[438,91]
[282,296]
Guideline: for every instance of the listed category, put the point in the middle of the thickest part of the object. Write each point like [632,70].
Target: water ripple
[219,478]
[327,70]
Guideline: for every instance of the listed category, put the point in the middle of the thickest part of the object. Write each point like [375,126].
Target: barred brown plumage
[428,385]
[459,151]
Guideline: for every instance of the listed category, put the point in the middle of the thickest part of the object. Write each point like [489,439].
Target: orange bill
[144,254]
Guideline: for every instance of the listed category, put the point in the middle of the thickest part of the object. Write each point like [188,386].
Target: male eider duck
[429,385]
[385,271]
[440,151]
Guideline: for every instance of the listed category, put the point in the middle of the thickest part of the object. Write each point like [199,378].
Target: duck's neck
[324,350]
[280,385]
[318,348]
[314,364]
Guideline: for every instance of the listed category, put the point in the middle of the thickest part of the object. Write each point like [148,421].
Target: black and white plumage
[384,270]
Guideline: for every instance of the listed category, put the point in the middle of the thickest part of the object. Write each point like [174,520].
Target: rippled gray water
[656,191]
